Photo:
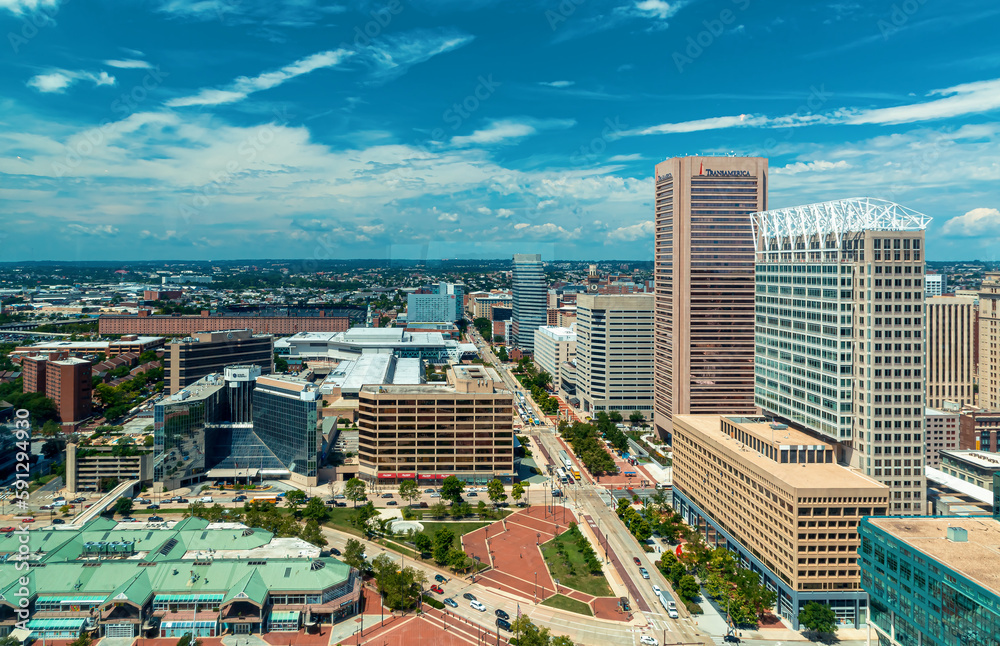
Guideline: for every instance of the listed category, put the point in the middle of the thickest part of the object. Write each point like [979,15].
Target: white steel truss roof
[838,217]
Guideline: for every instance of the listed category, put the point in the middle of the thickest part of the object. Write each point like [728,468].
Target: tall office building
[530,303]
[935,285]
[951,343]
[441,303]
[285,411]
[554,346]
[840,344]
[614,353]
[989,342]
[189,359]
[704,284]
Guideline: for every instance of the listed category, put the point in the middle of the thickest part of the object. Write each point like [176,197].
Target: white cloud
[810,167]
[504,213]
[19,7]
[507,129]
[300,13]
[60,80]
[392,55]
[244,86]
[448,217]
[129,64]
[625,158]
[99,230]
[959,100]
[658,8]
[641,231]
[977,222]
[483,210]
[557,83]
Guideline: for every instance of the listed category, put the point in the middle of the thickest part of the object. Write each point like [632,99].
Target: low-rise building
[339,346]
[189,359]
[430,431]
[87,467]
[777,498]
[932,581]
[974,467]
[553,347]
[944,433]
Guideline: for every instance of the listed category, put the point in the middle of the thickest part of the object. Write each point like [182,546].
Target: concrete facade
[553,347]
[951,349]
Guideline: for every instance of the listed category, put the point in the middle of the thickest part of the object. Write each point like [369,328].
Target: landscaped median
[572,561]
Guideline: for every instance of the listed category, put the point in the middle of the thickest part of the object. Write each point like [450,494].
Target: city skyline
[428,129]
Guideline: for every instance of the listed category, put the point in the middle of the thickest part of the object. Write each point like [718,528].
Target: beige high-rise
[704,254]
[951,343]
[989,342]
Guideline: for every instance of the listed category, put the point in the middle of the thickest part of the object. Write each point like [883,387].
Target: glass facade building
[284,418]
[932,581]
[530,304]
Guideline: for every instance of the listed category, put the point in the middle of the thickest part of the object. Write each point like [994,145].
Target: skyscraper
[951,344]
[189,359]
[840,349]
[530,300]
[704,284]
[989,341]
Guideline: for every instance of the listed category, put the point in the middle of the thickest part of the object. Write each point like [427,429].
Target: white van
[205,499]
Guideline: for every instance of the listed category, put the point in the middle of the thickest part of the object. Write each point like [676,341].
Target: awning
[73,600]
[188,624]
[285,615]
[188,598]
[57,623]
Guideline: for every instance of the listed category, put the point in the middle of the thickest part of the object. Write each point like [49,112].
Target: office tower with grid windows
[530,302]
[840,343]
[989,342]
[951,350]
[704,285]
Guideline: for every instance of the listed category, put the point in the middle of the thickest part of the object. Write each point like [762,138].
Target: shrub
[693,607]
[433,603]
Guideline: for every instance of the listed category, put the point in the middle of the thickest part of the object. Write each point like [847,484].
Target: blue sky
[217,129]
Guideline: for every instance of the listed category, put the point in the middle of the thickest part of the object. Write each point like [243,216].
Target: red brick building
[185,325]
[66,381]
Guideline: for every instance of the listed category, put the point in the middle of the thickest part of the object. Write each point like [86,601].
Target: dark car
[153,506]
[428,491]
[440,578]
[46,507]
[58,521]
[239,498]
[472,494]
[469,596]
[503,623]
[450,602]
[731,639]
[391,503]
[387,495]
[500,613]
[79,500]
[341,504]
[156,519]
[334,551]
[183,501]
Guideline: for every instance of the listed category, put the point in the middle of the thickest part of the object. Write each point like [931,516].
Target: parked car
[46,507]
[437,589]
[473,494]
[450,602]
[6,530]
[469,596]
[435,495]
[138,501]
[183,501]
[153,506]
[334,551]
[58,521]
[656,589]
[156,519]
[503,623]
[637,561]
[391,503]
[239,499]
[440,578]
[475,605]
[29,519]
[128,519]
[644,572]
[79,500]
[387,495]
[340,496]
[340,504]
[650,641]
[502,614]
[731,639]
[428,491]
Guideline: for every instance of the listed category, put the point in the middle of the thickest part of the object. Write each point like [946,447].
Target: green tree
[363,515]
[444,539]
[83,640]
[294,498]
[52,448]
[50,428]
[562,640]
[408,491]
[460,509]
[637,418]
[517,491]
[502,355]
[123,506]
[280,364]
[438,509]
[353,552]
[423,543]
[818,618]
[495,490]
[452,488]
[616,417]
[316,510]
[311,533]
[687,587]
[528,634]
[355,490]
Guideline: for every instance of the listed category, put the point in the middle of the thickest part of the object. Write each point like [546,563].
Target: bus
[629,474]
[271,499]
[576,473]
[563,478]
[564,457]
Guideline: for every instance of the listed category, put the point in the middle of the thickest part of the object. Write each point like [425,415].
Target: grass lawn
[572,570]
[340,518]
[565,603]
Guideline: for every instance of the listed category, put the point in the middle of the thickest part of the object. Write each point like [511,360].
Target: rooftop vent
[958,535]
[778,427]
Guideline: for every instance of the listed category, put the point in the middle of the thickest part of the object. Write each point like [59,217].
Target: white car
[656,589]
[672,613]
[646,639]
[475,605]
[435,495]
